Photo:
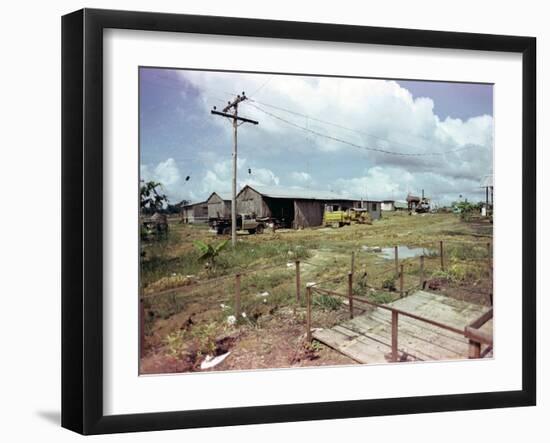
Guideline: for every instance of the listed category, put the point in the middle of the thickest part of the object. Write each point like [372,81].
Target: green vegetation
[193,318]
[327,302]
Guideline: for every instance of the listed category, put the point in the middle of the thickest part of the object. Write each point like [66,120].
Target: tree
[151,200]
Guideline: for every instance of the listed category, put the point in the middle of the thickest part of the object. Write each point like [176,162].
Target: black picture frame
[82,231]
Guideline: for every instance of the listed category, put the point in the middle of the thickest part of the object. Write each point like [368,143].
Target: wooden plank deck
[367,337]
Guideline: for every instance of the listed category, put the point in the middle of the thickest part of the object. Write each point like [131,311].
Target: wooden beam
[401,281]
[308,313]
[298,295]
[479,322]
[234,117]
[478,336]
[394,335]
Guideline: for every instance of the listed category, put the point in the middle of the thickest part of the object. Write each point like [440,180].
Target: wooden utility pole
[234,105]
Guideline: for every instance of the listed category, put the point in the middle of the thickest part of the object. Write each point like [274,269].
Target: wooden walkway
[367,337]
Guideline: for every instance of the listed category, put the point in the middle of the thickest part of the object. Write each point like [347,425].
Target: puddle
[404,252]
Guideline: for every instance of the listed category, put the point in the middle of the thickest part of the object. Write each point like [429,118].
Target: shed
[374,208]
[293,207]
[387,205]
[195,213]
[413,201]
[219,205]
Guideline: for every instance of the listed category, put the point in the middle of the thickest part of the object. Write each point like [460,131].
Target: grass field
[184,325]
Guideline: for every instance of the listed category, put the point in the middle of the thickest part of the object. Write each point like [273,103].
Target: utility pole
[234,105]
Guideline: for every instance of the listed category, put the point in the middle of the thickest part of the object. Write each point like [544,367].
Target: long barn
[296,208]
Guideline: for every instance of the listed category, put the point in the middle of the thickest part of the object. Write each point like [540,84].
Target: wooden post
[238,296]
[441,254]
[308,313]
[298,295]
[474,350]
[401,282]
[422,272]
[396,255]
[350,293]
[394,333]
[352,262]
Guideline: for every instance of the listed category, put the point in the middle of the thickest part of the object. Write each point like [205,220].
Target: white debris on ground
[290,265]
[371,248]
[210,362]
[244,314]
[231,320]
[262,294]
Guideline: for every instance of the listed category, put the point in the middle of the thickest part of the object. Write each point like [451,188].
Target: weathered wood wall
[217,207]
[251,202]
[308,213]
[196,213]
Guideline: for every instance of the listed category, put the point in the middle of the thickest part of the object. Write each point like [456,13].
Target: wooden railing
[472,332]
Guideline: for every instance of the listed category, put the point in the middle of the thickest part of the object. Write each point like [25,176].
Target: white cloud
[167,173]
[378,114]
[300,177]
[218,177]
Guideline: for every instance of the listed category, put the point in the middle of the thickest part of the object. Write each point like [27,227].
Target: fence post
[308,312]
[401,282]
[350,293]
[396,255]
[352,262]
[474,350]
[441,254]
[421,272]
[394,329]
[237,296]
[298,295]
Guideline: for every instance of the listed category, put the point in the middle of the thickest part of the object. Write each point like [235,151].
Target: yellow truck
[336,216]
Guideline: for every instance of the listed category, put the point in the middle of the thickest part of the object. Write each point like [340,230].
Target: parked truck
[245,222]
[336,216]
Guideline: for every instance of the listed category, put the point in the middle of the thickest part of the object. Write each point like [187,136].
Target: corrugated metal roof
[194,204]
[298,193]
[487,181]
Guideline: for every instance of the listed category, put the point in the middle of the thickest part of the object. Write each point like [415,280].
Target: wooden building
[195,213]
[219,205]
[296,208]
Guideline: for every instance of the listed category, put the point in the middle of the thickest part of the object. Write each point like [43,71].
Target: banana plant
[209,252]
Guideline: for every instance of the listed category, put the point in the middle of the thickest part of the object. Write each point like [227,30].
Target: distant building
[487,184]
[393,205]
[195,213]
[412,202]
[297,208]
[219,205]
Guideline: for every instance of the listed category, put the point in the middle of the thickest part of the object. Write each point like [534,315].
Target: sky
[360,138]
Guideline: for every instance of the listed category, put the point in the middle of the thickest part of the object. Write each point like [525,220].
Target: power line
[341,126]
[355,145]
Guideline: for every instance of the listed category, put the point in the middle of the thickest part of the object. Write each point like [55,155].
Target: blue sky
[362,138]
